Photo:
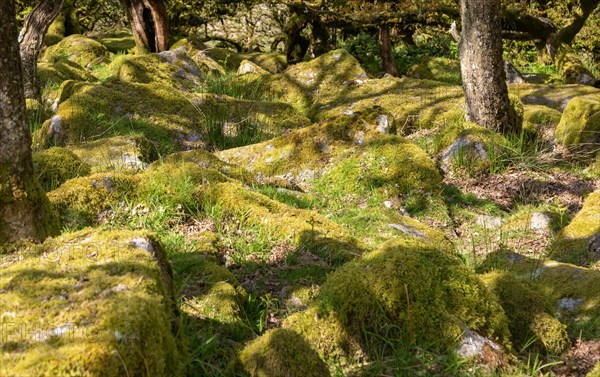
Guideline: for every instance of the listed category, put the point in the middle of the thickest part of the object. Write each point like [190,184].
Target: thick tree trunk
[149,23]
[34,30]
[482,68]
[385,51]
[25,212]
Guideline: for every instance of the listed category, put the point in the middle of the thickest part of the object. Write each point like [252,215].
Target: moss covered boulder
[280,353]
[82,50]
[573,292]
[60,71]
[117,41]
[304,228]
[580,123]
[173,67]
[116,153]
[92,303]
[56,165]
[529,315]
[271,62]
[406,291]
[79,201]
[541,115]
[579,242]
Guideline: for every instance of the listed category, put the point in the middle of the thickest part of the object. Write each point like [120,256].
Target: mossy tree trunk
[150,25]
[482,68]
[34,30]
[320,37]
[385,51]
[25,212]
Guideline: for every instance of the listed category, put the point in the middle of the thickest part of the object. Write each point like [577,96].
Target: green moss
[89,303]
[437,68]
[208,160]
[231,60]
[516,112]
[574,292]
[117,41]
[79,49]
[405,292]
[595,372]
[79,201]
[579,242]
[116,153]
[529,316]
[571,68]
[580,123]
[60,71]
[56,31]
[56,165]
[174,68]
[279,353]
[303,227]
[541,115]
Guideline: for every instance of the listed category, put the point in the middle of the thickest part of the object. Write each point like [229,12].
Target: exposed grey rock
[383,124]
[246,66]
[144,244]
[540,221]
[472,344]
[569,304]
[408,230]
[473,150]
[488,222]
[513,76]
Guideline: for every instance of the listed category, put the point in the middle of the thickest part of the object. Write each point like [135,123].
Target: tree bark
[385,51]
[296,44]
[482,68]
[34,30]
[25,212]
[320,37]
[149,23]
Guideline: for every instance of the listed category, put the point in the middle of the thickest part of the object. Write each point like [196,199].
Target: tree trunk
[296,44]
[320,36]
[149,23]
[34,30]
[385,51]
[482,68]
[25,212]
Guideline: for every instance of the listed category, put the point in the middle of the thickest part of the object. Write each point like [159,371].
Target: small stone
[388,204]
[488,222]
[569,304]
[144,244]
[408,230]
[540,221]
[383,124]
[472,344]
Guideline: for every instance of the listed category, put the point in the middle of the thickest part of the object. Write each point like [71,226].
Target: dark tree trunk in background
[149,23]
[320,36]
[34,30]
[296,44]
[385,51]
[25,212]
[482,68]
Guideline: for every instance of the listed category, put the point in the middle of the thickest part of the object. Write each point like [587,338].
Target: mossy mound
[56,30]
[116,153]
[554,96]
[92,303]
[572,68]
[573,291]
[307,149]
[438,69]
[56,165]
[580,123]
[173,68]
[82,50]
[541,115]
[280,353]
[271,62]
[60,71]
[117,41]
[207,160]
[529,316]
[79,201]
[170,118]
[595,372]
[405,292]
[579,242]
[304,228]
